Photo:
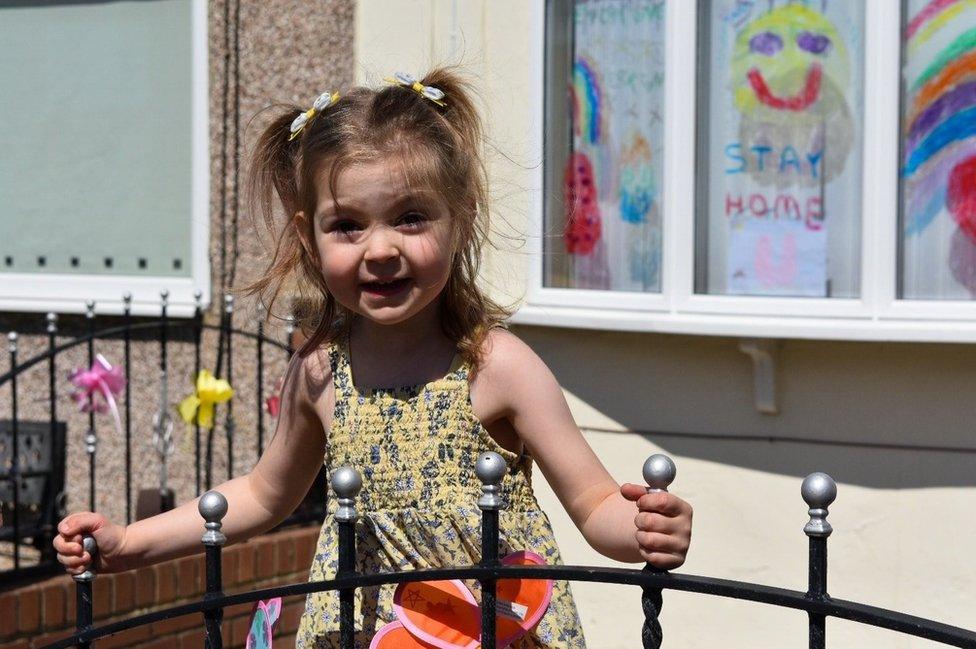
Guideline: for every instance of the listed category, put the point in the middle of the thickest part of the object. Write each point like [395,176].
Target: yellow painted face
[784,58]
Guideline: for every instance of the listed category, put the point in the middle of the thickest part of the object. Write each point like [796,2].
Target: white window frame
[67,293]
[877,315]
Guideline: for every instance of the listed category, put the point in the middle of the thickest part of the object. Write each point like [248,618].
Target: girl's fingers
[653,522]
[663,560]
[67,547]
[661,502]
[655,542]
[72,562]
[632,491]
[81,523]
[664,503]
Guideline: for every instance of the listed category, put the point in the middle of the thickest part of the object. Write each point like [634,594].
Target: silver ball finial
[818,490]
[213,508]
[659,472]
[88,545]
[52,322]
[89,308]
[12,341]
[491,469]
[346,482]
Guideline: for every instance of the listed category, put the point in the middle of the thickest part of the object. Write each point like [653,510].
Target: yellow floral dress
[416,449]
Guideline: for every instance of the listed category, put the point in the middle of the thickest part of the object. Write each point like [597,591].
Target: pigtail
[459,112]
[272,189]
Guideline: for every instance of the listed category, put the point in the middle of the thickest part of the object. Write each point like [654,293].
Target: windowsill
[874,328]
[42,293]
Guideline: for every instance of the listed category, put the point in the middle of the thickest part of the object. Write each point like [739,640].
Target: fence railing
[818,490]
[33,498]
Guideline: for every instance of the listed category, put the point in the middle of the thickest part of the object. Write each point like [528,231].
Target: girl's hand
[663,526]
[109,538]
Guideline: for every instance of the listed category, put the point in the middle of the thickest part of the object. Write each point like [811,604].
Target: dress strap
[341,370]
[459,369]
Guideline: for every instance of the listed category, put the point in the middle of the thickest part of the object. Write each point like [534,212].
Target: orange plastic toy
[445,614]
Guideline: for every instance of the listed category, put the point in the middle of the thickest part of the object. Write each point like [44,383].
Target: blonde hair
[440,148]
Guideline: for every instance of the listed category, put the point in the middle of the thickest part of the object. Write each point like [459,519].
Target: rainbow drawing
[939,165]
[586,97]
[588,110]
[932,18]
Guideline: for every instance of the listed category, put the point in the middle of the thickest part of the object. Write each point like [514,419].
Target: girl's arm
[256,501]
[656,529]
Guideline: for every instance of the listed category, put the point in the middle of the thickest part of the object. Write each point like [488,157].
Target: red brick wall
[35,615]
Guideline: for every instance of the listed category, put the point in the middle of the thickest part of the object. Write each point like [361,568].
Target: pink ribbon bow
[273,405]
[102,379]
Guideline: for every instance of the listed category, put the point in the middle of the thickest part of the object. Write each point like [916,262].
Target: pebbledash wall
[892,422]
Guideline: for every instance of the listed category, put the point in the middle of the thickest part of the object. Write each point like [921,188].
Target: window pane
[938,175]
[604,144]
[779,165]
[95,176]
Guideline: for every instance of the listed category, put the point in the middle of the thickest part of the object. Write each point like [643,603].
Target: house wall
[891,422]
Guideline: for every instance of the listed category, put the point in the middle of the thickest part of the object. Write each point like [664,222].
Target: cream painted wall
[862,412]
[894,423]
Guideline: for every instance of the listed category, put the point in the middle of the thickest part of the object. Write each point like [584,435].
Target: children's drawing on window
[785,140]
[611,182]
[939,147]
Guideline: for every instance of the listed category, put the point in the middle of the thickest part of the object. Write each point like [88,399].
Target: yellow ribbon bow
[199,407]
[407,80]
[321,102]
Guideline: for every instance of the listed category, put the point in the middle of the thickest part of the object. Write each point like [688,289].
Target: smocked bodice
[416,446]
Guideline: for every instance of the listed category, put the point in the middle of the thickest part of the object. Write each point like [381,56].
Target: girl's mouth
[385,288]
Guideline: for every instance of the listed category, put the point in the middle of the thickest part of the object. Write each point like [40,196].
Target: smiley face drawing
[790,75]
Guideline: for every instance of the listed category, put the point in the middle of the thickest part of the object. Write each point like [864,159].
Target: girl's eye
[345,227]
[412,219]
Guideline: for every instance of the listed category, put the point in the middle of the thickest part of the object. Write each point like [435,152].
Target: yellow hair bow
[409,81]
[199,407]
[321,102]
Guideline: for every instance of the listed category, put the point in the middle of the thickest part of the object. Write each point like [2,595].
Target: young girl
[407,374]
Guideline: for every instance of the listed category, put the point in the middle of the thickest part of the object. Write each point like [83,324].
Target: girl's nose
[381,246]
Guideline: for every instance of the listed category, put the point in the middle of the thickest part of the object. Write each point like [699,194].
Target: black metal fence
[32,454]
[818,490]
[36,521]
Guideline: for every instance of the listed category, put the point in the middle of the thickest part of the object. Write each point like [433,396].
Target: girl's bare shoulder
[501,349]
[308,384]
[506,363]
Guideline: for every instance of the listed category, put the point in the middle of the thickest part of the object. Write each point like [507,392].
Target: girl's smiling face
[385,248]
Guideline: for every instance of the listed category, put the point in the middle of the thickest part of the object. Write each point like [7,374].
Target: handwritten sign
[784,129]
